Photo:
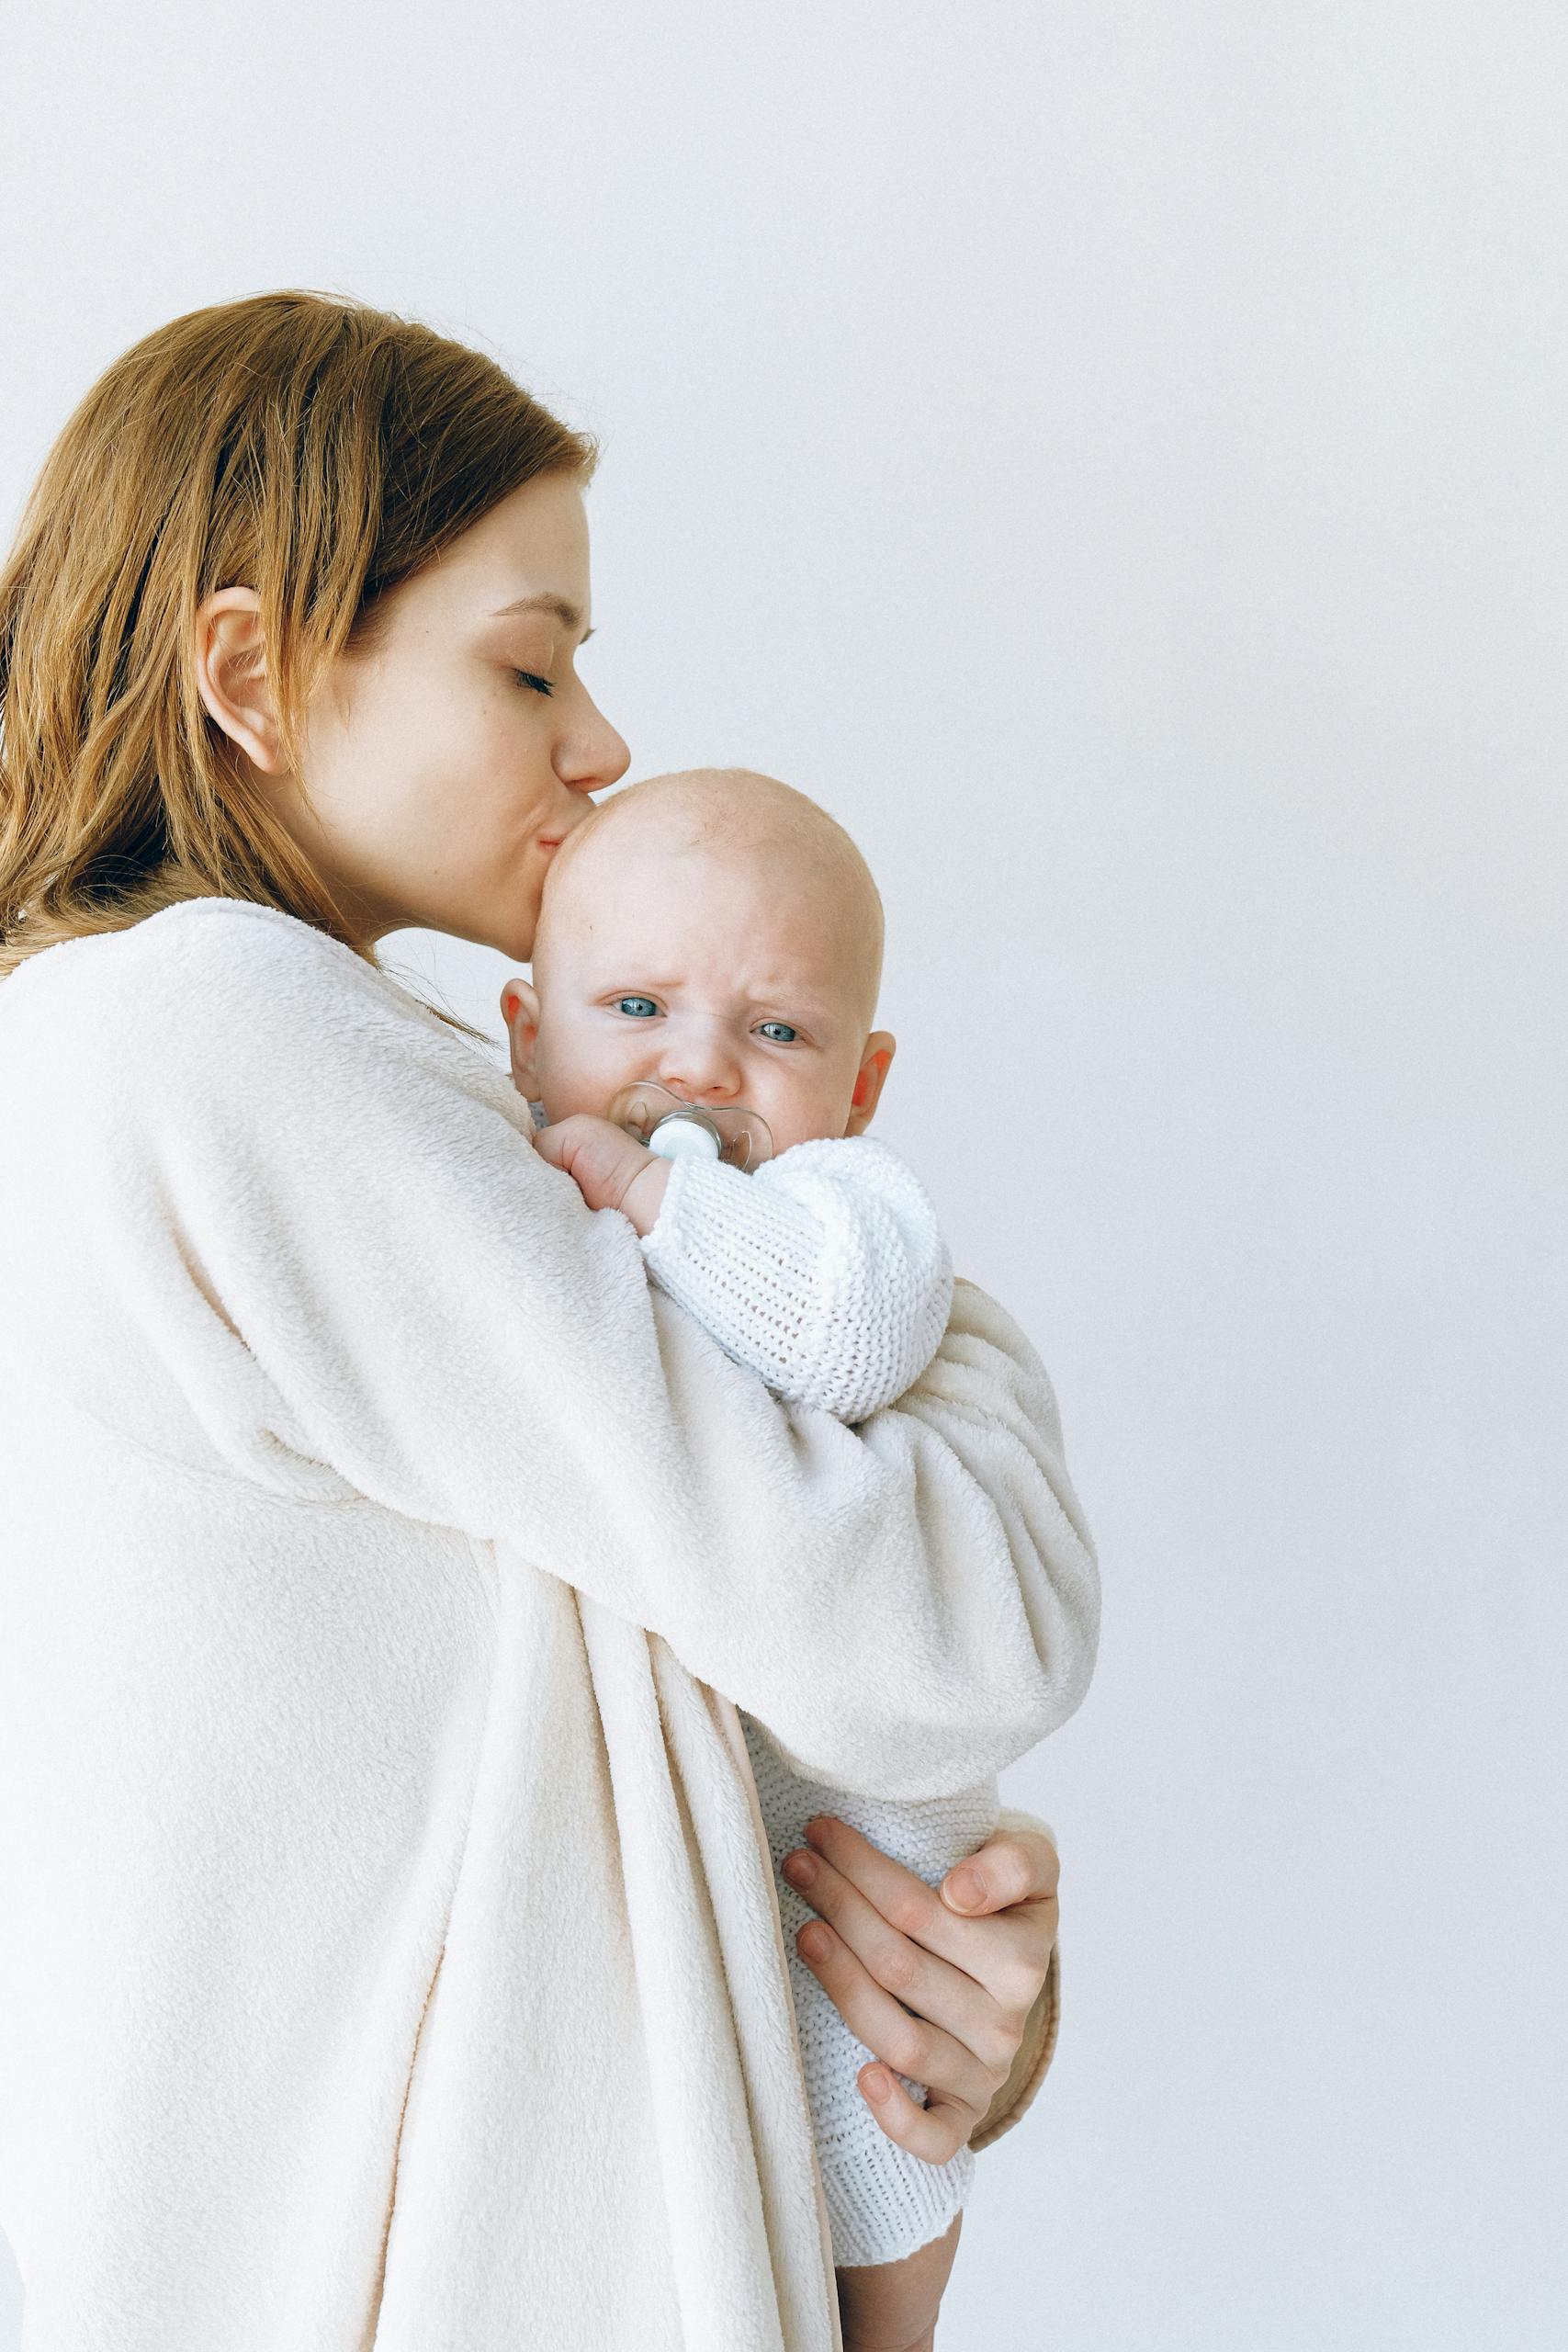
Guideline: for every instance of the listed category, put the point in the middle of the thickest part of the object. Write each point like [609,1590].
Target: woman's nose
[592,756]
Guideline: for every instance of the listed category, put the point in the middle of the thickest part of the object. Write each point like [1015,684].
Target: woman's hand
[941,1988]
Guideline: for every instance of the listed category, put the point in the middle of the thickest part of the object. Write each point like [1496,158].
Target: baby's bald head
[704,828]
[717,932]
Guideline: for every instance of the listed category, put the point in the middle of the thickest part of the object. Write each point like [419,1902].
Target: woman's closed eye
[530,678]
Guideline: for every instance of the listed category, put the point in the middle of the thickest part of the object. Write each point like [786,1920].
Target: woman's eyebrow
[565,612]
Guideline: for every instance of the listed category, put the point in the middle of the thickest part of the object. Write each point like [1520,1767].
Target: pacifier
[676,1129]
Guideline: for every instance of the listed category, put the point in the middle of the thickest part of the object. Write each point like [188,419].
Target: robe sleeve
[323,1209]
[1038,2047]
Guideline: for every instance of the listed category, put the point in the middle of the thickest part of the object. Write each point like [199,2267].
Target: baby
[719,934]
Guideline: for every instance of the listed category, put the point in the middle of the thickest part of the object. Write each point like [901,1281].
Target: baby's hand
[610,1167]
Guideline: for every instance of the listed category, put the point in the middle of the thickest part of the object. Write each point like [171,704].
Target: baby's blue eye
[779,1032]
[641,1007]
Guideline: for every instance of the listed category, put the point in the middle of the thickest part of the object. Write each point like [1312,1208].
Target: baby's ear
[875,1062]
[520,1010]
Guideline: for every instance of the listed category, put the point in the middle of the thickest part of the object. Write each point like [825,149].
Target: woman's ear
[875,1063]
[520,1010]
[233,678]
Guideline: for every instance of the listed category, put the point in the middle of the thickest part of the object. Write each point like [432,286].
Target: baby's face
[700,968]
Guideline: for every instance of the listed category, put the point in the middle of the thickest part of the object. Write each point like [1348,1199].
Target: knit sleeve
[315,1212]
[825,1272]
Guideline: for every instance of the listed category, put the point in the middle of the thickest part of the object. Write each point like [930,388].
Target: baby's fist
[610,1167]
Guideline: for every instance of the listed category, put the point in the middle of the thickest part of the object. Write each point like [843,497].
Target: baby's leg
[883,2202]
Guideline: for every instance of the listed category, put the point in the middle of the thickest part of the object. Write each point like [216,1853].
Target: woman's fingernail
[967,1889]
[878,2083]
[799,1869]
[815,1941]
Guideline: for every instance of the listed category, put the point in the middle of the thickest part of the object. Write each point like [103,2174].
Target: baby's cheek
[583,1082]
[801,1110]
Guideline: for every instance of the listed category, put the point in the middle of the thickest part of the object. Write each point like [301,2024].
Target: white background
[1114,455]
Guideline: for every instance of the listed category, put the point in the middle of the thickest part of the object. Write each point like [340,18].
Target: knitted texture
[826,1274]
[825,1271]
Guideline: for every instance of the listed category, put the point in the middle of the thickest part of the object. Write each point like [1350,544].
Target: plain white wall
[1114,455]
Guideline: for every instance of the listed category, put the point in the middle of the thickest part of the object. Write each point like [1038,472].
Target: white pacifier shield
[678,1136]
[676,1128]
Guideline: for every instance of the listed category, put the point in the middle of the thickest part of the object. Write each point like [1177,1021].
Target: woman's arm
[323,1209]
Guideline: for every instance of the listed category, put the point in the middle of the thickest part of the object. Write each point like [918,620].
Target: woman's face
[441,766]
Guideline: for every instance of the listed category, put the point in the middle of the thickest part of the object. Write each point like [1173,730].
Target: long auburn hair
[298,444]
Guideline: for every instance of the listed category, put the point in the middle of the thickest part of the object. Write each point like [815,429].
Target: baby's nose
[700,1064]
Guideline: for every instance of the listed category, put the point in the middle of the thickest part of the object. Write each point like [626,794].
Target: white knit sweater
[388,1953]
[826,1272]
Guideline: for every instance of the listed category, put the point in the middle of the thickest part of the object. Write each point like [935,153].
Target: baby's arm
[825,1272]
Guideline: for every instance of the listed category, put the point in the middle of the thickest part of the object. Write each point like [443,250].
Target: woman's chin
[514,939]
[509,929]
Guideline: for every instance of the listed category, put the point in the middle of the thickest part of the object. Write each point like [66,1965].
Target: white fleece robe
[390,1954]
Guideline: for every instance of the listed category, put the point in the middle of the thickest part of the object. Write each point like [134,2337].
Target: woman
[388,1953]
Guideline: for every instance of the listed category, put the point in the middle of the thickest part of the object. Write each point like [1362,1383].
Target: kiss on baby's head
[717,932]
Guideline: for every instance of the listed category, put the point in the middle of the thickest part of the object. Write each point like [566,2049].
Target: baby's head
[717,931]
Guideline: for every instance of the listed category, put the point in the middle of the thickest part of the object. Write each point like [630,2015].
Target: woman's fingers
[934,2132]
[1006,1956]
[944,1999]
[904,1901]
[1013,1866]
[959,2086]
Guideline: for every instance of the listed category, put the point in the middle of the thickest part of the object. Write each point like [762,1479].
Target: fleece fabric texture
[391,1953]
